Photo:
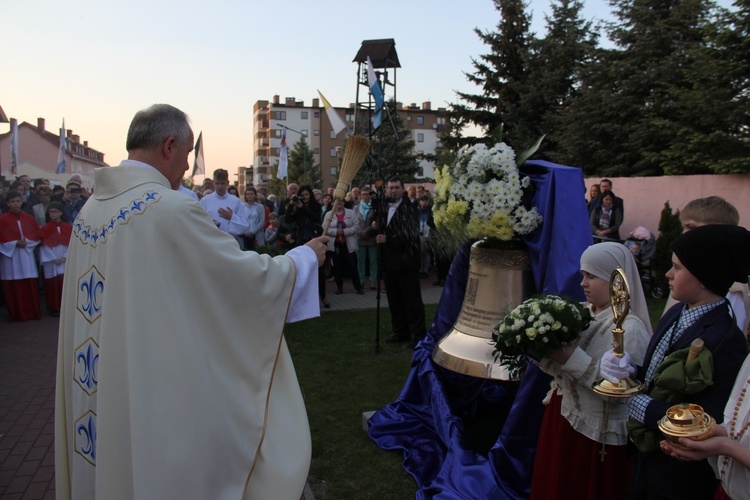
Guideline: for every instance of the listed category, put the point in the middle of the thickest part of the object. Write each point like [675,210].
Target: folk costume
[582,444]
[18,270]
[52,254]
[174,379]
[716,255]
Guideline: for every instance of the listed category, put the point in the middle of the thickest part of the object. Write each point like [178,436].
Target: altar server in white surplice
[226,210]
[163,390]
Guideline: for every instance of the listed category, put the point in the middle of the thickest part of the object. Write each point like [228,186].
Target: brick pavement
[28,358]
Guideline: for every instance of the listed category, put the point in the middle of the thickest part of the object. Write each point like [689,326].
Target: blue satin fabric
[427,421]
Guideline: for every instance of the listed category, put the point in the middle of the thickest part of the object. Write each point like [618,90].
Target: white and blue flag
[377,94]
[62,153]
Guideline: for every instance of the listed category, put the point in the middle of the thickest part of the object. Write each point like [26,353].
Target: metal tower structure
[384,59]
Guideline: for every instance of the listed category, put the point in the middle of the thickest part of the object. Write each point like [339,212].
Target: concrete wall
[644,197]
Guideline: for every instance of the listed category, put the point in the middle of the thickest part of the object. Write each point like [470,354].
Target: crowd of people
[583,449]
[35,229]
[259,222]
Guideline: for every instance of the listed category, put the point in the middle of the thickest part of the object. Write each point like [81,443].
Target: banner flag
[199,163]
[62,153]
[377,94]
[283,157]
[337,123]
[13,146]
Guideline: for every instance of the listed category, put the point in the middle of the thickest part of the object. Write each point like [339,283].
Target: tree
[389,157]
[554,71]
[670,228]
[300,169]
[658,103]
[501,73]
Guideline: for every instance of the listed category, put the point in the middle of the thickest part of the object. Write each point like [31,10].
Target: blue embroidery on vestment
[87,366]
[86,437]
[90,294]
[98,235]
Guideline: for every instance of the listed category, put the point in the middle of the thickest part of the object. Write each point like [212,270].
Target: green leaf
[526,154]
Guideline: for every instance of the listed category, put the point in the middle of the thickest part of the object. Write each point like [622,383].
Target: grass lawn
[342,376]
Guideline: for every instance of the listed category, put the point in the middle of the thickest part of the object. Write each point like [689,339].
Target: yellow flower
[505,233]
[499,219]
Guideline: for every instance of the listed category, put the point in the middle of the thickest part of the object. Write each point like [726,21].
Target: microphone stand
[381,218]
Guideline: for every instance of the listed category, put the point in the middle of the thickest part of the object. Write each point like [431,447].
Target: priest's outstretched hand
[319,245]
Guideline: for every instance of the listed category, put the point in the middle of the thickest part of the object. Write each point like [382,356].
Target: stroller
[642,244]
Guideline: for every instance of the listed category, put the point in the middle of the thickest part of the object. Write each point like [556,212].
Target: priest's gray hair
[152,126]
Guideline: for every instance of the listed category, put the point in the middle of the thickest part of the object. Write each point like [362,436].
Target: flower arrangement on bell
[537,328]
[483,195]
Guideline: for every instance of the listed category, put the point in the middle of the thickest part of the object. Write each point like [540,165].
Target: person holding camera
[73,201]
[291,192]
[303,214]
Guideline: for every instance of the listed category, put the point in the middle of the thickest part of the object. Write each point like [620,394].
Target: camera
[294,199]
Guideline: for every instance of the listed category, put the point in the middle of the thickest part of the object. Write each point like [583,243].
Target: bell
[498,281]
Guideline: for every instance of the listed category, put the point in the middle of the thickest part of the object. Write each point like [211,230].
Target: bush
[670,228]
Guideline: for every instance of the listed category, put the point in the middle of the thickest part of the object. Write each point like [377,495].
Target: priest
[174,379]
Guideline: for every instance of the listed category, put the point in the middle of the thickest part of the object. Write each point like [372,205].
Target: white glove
[613,368]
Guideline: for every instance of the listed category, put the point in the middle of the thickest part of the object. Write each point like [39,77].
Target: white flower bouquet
[483,195]
[537,328]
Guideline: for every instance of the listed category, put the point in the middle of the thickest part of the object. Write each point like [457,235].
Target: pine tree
[500,73]
[300,170]
[388,157]
[555,69]
[655,104]
[670,229]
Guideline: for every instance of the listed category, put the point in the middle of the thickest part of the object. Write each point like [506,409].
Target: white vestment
[237,225]
[48,255]
[18,263]
[173,378]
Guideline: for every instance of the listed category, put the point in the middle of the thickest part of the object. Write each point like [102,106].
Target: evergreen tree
[501,74]
[660,101]
[553,82]
[300,170]
[670,228]
[388,157]
[301,167]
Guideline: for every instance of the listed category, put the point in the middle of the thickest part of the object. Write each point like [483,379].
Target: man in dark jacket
[399,238]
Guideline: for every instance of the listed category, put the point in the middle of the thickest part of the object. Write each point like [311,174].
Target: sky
[96,62]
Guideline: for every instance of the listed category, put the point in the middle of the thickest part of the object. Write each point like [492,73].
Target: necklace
[733,433]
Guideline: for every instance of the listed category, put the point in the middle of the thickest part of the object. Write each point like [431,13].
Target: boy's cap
[716,254]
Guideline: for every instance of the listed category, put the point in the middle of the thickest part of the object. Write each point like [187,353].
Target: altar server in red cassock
[52,254]
[19,234]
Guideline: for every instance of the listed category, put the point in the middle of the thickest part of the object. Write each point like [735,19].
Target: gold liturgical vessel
[686,420]
[619,299]
[498,281]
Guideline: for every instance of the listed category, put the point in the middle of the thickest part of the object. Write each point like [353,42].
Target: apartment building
[312,124]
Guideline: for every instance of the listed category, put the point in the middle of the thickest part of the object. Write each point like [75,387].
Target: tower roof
[382,53]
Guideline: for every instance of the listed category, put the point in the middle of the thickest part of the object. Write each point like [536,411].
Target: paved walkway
[28,358]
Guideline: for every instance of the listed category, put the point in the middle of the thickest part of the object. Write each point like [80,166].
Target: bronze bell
[498,281]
